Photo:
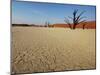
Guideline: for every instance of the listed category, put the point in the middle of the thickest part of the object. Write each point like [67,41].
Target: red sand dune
[88,25]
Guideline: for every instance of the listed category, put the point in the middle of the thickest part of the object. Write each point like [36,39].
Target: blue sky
[39,13]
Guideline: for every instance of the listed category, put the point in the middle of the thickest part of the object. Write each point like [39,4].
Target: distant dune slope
[88,25]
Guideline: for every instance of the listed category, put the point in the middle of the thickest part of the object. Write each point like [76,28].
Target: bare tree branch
[79,16]
[67,21]
[83,21]
[70,17]
[76,19]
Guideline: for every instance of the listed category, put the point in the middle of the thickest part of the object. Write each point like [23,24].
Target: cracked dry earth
[52,49]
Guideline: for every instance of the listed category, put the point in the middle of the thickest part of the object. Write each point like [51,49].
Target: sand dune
[88,25]
[52,49]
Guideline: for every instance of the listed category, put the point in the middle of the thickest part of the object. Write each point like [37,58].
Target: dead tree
[47,24]
[84,26]
[76,19]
